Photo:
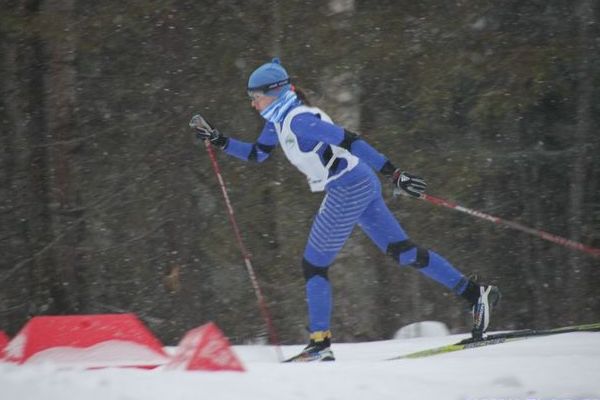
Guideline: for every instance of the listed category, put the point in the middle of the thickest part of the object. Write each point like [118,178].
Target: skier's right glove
[205,131]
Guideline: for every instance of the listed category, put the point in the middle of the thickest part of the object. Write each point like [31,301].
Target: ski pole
[515,225]
[259,296]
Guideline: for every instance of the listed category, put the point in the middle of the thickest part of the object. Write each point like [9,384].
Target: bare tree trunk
[16,204]
[359,288]
[45,295]
[583,132]
[60,89]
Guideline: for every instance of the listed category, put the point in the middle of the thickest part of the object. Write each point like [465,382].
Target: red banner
[4,339]
[93,341]
[205,348]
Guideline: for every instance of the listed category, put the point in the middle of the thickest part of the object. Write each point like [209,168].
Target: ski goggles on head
[256,92]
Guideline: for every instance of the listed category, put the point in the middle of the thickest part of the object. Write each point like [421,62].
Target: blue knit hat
[268,77]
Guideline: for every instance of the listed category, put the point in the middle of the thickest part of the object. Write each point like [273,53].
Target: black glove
[409,184]
[205,131]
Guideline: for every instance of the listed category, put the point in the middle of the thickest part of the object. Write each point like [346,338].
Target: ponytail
[301,95]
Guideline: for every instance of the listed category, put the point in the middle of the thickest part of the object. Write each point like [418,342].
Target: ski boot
[483,299]
[318,349]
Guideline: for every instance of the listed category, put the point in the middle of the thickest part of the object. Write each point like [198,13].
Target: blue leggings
[360,202]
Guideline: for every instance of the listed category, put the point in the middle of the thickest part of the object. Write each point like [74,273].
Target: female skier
[342,164]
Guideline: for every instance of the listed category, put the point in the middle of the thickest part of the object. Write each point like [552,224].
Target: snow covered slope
[555,367]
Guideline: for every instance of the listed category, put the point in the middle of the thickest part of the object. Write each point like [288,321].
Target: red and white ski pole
[515,225]
[259,296]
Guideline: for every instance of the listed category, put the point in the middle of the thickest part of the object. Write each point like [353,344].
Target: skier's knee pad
[395,249]
[311,270]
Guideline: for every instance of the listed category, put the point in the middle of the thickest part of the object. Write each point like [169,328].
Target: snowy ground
[559,367]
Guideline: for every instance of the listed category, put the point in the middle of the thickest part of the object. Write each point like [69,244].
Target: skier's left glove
[206,131]
[407,183]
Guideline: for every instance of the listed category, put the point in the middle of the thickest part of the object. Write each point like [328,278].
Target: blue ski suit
[353,198]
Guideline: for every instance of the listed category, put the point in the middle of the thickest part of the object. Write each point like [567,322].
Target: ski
[498,338]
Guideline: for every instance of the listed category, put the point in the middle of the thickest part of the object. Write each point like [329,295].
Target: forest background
[107,205]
